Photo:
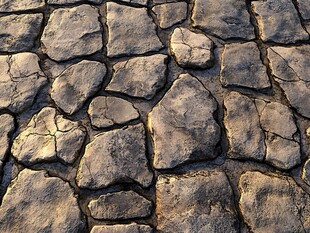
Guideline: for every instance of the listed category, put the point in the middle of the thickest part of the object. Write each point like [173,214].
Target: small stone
[182,125]
[20,5]
[124,228]
[304,9]
[131,31]
[198,202]
[241,66]
[72,32]
[190,49]
[68,2]
[6,129]
[120,205]
[278,21]
[108,111]
[139,77]
[35,202]
[113,157]
[170,14]
[76,84]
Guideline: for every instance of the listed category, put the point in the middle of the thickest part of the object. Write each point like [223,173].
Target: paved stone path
[140,116]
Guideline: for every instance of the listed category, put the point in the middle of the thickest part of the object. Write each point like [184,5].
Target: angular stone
[198,202]
[224,18]
[6,129]
[21,79]
[140,76]
[131,31]
[241,66]
[108,111]
[182,125]
[68,2]
[76,84]
[37,203]
[273,203]
[72,32]
[113,157]
[19,32]
[120,205]
[48,137]
[138,2]
[20,5]
[278,21]
[191,49]
[125,228]
[304,9]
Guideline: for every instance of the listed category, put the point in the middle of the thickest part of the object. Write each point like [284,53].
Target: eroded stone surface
[304,9]
[67,2]
[139,2]
[20,5]
[6,129]
[125,228]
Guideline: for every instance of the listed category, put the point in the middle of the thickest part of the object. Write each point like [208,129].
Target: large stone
[6,129]
[68,2]
[113,157]
[241,66]
[21,79]
[224,18]
[273,204]
[37,203]
[20,5]
[198,202]
[19,32]
[120,205]
[191,49]
[125,228]
[72,32]
[304,9]
[48,137]
[140,76]
[76,84]
[131,31]
[278,21]
[182,125]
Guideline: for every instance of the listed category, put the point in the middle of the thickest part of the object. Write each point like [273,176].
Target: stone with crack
[48,137]
[138,2]
[20,5]
[182,125]
[6,129]
[304,9]
[116,156]
[122,228]
[68,2]
[72,32]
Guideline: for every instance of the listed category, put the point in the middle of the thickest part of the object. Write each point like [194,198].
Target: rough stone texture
[199,202]
[306,172]
[126,228]
[67,2]
[6,129]
[304,9]
[170,14]
[37,203]
[20,79]
[138,2]
[182,125]
[191,49]
[76,84]
[20,5]
[18,32]
[123,21]
[113,157]
[108,111]
[278,21]
[241,66]
[273,204]
[120,205]
[48,137]
[224,18]
[139,77]
[72,32]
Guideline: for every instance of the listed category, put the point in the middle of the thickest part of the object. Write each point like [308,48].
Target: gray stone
[72,32]
[125,228]
[224,18]
[76,84]
[19,32]
[198,202]
[68,2]
[241,66]
[182,125]
[278,21]
[139,77]
[120,205]
[191,49]
[20,5]
[113,157]
[304,9]
[35,202]
[6,129]
[131,31]
[108,111]
[138,2]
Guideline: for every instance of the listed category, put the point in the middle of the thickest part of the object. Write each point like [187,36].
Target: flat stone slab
[136,2]
[68,2]
[7,127]
[20,5]
[124,228]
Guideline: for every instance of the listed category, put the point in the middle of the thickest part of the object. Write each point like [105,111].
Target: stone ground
[155,116]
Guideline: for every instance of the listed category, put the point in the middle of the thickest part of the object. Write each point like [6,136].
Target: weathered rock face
[191,49]
[199,202]
[304,9]
[72,32]
[48,137]
[67,2]
[6,129]
[20,5]
[123,21]
[273,203]
[126,228]
[139,77]
[182,125]
[113,157]
[76,84]
[32,204]
[138,2]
